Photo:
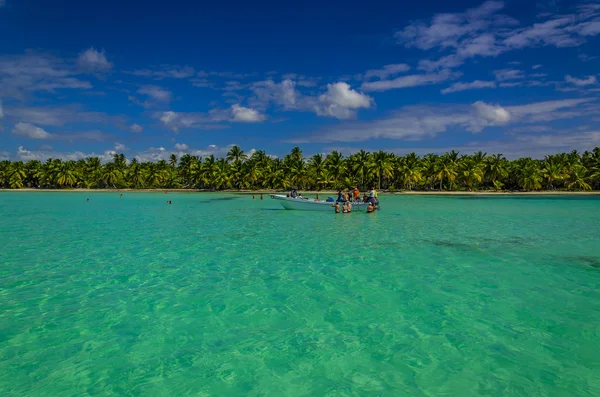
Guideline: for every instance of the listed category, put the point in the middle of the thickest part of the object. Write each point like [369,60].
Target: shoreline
[313,192]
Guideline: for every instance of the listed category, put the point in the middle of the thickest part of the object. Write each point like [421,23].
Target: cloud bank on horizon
[521,80]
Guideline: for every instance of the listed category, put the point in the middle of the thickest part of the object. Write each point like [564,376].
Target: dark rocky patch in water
[220,199]
[453,244]
[591,261]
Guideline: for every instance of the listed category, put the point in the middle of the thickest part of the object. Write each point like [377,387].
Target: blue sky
[149,79]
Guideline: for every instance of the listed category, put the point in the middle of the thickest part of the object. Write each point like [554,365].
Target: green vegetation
[451,171]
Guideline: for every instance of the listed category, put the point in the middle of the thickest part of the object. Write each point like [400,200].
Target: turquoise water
[220,295]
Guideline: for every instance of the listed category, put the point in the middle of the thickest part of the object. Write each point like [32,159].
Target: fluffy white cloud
[413,80]
[119,147]
[245,115]
[136,128]
[283,93]
[492,113]
[181,147]
[30,131]
[210,120]
[477,84]
[341,101]
[45,153]
[420,122]
[387,71]
[590,80]
[92,60]
[156,93]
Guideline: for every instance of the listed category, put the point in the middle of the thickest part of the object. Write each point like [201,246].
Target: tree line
[387,171]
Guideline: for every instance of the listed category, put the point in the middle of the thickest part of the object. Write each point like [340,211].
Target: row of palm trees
[450,171]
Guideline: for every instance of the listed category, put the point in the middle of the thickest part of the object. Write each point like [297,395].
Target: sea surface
[222,295]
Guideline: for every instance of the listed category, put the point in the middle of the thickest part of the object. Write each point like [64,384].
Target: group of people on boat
[345,199]
[353,195]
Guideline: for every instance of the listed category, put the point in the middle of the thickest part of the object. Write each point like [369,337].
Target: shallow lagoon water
[222,295]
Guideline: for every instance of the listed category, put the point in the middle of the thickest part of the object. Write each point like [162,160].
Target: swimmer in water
[370,208]
[337,207]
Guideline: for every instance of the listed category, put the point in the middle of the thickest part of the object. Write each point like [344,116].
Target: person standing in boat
[373,196]
[294,193]
[340,197]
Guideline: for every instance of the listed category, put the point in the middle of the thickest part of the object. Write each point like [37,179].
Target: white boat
[290,203]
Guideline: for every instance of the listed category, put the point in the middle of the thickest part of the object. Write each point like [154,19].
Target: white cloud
[156,93]
[43,154]
[210,120]
[45,147]
[136,128]
[520,145]
[494,114]
[508,74]
[548,110]
[30,131]
[31,72]
[212,146]
[483,31]
[590,80]
[341,101]
[283,93]
[387,71]
[181,147]
[174,72]
[477,84]
[57,115]
[119,147]
[91,60]
[245,115]
[447,30]
[534,67]
[420,122]
[413,80]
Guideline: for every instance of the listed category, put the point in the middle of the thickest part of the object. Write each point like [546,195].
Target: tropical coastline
[259,172]
[315,192]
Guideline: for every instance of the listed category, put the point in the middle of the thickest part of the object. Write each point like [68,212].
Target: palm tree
[576,178]
[495,170]
[383,166]
[336,166]
[553,172]
[448,168]
[66,175]
[173,160]
[236,154]
[471,171]
[530,177]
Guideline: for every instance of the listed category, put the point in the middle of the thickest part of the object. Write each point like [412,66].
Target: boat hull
[310,205]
